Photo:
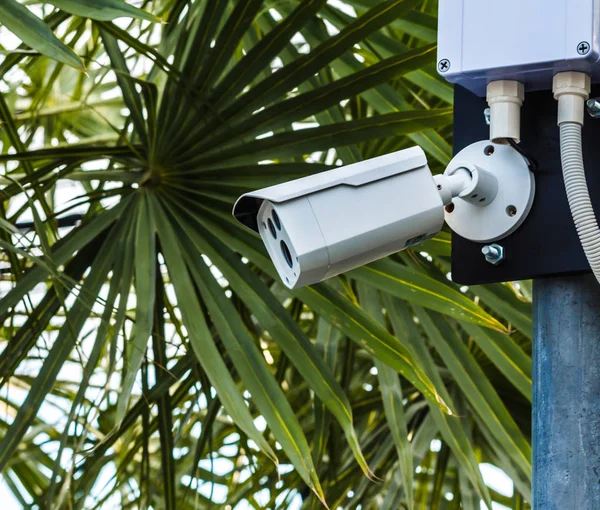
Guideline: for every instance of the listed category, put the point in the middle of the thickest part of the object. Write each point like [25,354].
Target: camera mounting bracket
[499,196]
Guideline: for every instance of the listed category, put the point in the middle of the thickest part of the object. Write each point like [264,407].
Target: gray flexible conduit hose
[571,152]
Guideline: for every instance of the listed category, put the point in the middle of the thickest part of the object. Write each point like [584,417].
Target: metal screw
[487,113]
[494,254]
[444,65]
[593,107]
[583,48]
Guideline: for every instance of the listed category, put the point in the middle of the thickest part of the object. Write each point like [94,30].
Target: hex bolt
[494,254]
[593,107]
[487,114]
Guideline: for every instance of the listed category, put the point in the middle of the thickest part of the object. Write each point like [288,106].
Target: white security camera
[320,226]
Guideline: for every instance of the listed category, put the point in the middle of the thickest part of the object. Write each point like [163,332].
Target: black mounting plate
[547,243]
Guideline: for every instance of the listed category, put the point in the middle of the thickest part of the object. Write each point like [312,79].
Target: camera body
[329,223]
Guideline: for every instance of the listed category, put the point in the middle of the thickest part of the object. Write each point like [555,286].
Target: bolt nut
[593,107]
[487,114]
[494,254]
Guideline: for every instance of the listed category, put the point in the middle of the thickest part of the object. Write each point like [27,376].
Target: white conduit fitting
[572,89]
[505,98]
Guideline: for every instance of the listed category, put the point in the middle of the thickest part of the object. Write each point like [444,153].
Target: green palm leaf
[35,33]
[149,355]
[103,10]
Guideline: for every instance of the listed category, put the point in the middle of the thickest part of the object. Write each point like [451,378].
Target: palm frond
[149,356]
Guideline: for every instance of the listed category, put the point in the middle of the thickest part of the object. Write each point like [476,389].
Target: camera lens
[286,254]
[276,220]
[272,228]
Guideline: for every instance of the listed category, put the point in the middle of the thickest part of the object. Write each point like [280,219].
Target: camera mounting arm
[453,186]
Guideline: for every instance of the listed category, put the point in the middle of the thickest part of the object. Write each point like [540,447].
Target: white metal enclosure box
[480,41]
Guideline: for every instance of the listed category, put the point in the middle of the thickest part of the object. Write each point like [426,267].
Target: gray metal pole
[566,394]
